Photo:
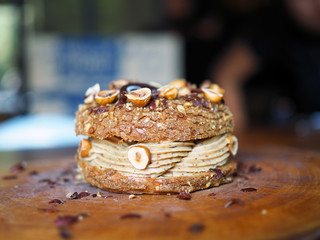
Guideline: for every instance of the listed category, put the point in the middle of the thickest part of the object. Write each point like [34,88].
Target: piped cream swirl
[167,158]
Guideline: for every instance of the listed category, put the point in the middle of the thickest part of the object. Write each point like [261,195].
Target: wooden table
[276,195]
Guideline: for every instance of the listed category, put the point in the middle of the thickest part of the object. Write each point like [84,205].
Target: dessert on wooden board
[155,140]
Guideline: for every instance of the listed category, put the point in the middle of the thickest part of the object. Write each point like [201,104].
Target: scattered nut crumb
[250,189]
[65,221]
[9,177]
[196,228]
[72,195]
[217,171]
[99,194]
[19,167]
[78,177]
[83,194]
[34,172]
[233,201]
[184,195]
[48,210]
[65,233]
[81,216]
[58,201]
[130,215]
[263,211]
[212,195]
[132,196]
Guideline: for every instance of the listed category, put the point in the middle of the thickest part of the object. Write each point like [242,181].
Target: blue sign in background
[88,57]
[62,68]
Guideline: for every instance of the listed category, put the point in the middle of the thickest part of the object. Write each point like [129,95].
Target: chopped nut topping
[181,109]
[87,127]
[187,104]
[82,107]
[104,115]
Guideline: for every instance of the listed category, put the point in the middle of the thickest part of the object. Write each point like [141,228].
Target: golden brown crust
[111,180]
[180,119]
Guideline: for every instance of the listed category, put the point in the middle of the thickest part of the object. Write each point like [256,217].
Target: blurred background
[266,54]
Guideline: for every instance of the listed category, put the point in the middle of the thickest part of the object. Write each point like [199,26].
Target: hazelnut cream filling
[162,159]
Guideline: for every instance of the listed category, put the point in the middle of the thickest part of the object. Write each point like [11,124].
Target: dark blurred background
[266,54]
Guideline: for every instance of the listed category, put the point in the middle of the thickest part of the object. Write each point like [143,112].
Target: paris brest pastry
[155,140]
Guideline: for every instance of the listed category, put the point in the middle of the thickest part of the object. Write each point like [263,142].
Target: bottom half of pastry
[171,167]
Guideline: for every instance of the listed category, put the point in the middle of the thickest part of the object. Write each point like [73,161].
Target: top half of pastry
[143,113]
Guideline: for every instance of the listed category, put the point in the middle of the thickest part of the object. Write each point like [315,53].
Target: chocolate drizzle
[135,86]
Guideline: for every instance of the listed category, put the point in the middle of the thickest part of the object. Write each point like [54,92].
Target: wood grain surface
[276,195]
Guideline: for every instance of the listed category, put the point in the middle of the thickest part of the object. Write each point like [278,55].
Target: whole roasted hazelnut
[106,96]
[140,97]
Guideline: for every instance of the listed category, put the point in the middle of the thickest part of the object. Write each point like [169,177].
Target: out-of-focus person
[271,71]
[201,26]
